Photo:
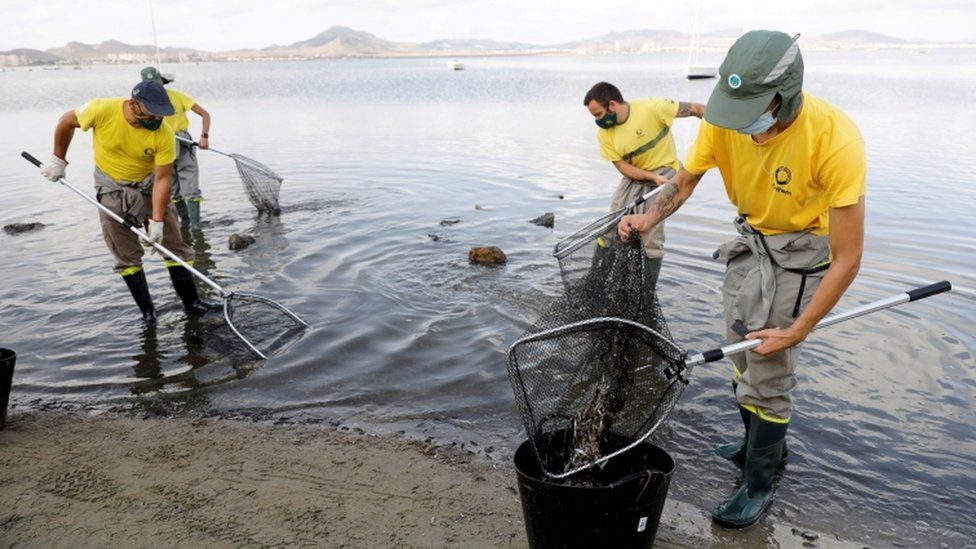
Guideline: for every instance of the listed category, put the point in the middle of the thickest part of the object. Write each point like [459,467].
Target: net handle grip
[195,144]
[916,294]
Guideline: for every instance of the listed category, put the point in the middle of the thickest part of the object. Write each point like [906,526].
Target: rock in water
[240,241]
[17,228]
[547,219]
[488,255]
[450,221]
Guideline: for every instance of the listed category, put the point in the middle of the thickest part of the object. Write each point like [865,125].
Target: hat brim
[735,113]
[158,109]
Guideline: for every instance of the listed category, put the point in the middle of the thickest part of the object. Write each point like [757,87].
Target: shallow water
[407,336]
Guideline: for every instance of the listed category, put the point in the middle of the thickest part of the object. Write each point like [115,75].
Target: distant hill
[857,37]
[26,57]
[339,41]
[474,45]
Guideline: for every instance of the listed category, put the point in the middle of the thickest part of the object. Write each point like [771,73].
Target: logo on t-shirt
[152,152]
[783,175]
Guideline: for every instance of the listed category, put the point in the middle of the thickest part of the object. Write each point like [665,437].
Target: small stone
[240,241]
[480,208]
[450,221]
[488,255]
[547,219]
[18,228]
[433,237]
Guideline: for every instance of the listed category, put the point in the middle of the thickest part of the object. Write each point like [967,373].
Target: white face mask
[763,123]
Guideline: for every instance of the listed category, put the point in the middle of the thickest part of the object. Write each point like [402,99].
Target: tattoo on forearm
[668,201]
[684,109]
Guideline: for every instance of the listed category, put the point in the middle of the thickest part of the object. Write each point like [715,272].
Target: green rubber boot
[763,456]
[193,209]
[736,452]
[182,211]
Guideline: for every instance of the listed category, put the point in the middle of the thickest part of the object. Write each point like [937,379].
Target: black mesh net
[598,372]
[262,323]
[261,184]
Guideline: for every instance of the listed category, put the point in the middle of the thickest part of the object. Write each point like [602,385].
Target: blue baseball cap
[153,97]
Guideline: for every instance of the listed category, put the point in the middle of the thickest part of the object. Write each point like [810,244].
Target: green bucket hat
[151,74]
[759,65]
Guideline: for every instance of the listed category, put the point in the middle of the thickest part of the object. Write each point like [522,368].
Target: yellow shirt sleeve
[666,110]
[185,101]
[607,150]
[165,145]
[843,175]
[701,155]
[88,114]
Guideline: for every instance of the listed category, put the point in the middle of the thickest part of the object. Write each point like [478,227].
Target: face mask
[765,121]
[608,121]
[151,124]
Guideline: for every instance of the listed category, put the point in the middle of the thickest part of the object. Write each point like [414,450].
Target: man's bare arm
[673,194]
[63,133]
[686,108]
[162,185]
[633,172]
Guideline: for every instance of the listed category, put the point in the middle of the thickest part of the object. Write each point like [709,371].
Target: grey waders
[764,452]
[139,288]
[182,210]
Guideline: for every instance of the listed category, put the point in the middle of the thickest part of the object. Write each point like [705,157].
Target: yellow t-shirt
[181,103]
[123,152]
[790,182]
[644,139]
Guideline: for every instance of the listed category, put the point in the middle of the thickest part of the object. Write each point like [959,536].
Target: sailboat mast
[693,48]
[152,17]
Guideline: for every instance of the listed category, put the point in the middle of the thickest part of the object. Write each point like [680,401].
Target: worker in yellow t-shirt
[794,167]
[636,137]
[134,153]
[186,172]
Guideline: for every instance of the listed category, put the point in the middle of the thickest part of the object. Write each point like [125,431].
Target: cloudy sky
[230,24]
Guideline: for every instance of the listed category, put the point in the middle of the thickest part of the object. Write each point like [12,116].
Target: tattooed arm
[673,194]
[690,109]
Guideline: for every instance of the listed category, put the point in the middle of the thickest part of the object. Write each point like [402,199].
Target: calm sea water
[407,336]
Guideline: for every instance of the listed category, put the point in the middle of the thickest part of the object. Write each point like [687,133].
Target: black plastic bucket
[7,359]
[622,513]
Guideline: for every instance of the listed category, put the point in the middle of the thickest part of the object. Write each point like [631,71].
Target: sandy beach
[82,480]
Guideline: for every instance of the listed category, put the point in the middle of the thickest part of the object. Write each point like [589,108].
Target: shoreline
[74,479]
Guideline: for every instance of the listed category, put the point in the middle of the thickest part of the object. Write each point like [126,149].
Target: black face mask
[151,124]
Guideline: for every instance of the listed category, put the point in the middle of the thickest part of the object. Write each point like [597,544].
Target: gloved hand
[54,169]
[155,233]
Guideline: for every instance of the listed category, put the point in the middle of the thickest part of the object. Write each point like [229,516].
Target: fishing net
[598,372]
[261,184]
[264,325]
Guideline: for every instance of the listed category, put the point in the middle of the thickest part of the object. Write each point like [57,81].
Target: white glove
[155,233]
[54,169]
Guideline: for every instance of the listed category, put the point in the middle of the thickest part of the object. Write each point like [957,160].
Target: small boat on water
[455,65]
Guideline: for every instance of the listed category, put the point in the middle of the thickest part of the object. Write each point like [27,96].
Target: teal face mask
[608,120]
[151,124]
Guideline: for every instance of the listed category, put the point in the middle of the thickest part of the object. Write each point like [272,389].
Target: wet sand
[78,480]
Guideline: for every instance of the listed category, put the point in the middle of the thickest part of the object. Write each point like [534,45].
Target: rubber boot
[183,211]
[187,290]
[193,209]
[139,288]
[736,452]
[764,453]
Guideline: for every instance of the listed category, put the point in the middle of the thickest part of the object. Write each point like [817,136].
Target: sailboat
[695,70]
